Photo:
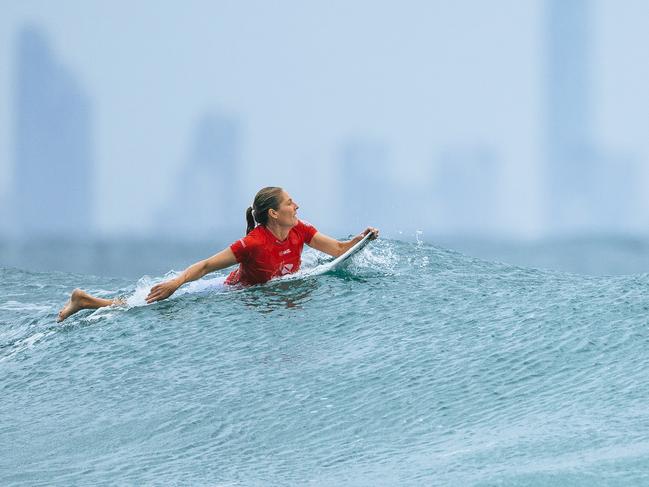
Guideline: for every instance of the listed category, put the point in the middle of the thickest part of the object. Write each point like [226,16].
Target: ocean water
[415,365]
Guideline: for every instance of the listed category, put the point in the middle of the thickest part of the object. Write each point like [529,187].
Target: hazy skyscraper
[52,187]
[588,188]
[569,168]
[569,96]
[206,189]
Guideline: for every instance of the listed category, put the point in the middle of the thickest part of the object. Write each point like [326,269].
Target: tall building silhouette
[52,187]
[586,188]
[465,191]
[570,151]
[569,65]
[206,200]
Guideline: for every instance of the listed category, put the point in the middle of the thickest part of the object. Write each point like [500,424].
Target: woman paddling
[271,248]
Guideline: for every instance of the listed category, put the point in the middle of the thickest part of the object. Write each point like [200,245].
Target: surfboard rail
[337,262]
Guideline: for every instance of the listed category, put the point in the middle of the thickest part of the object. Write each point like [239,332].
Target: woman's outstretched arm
[334,247]
[161,291]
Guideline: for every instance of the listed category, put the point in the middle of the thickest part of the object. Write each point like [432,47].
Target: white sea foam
[18,306]
[202,285]
[145,283]
[380,257]
[142,288]
[24,344]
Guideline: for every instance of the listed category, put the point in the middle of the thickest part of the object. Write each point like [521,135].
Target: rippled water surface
[413,366]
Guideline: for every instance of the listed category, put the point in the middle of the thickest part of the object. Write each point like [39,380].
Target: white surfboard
[339,261]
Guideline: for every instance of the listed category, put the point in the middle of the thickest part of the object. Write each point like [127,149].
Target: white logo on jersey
[284,252]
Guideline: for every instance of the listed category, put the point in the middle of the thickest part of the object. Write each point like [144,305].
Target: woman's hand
[162,291]
[372,230]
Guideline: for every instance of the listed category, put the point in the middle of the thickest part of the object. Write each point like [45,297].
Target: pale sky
[303,76]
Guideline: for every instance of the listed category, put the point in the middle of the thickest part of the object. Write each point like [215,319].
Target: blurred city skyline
[510,120]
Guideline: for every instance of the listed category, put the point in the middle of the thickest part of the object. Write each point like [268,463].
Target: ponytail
[250,220]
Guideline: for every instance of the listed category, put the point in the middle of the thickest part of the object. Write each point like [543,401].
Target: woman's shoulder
[258,236]
[303,225]
[305,230]
[255,238]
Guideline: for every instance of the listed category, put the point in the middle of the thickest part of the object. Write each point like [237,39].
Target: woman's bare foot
[82,300]
[74,304]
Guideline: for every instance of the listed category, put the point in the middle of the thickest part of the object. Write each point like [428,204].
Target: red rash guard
[261,256]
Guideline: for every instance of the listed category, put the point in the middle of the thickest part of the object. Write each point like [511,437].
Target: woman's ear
[273,213]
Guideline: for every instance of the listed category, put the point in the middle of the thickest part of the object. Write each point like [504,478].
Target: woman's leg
[82,300]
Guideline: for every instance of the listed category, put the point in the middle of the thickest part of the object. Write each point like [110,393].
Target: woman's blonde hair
[265,199]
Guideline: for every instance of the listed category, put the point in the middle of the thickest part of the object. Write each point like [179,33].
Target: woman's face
[287,211]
